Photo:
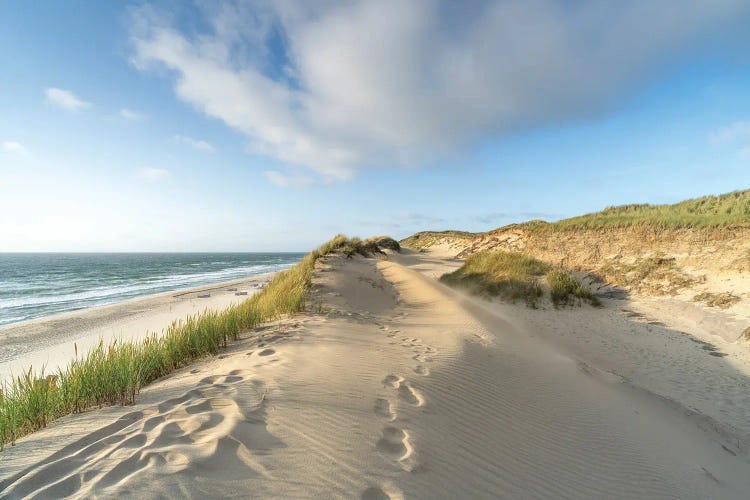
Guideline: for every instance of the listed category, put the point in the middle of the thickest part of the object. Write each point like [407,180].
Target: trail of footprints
[394,442]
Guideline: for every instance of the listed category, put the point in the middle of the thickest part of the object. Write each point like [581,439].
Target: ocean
[33,285]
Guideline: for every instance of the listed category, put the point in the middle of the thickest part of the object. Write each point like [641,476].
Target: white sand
[49,342]
[404,389]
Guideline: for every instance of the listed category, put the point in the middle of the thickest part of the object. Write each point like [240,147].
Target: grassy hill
[646,249]
[423,239]
[708,211]
[726,210]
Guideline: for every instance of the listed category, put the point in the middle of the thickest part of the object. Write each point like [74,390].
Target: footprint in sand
[410,394]
[395,443]
[405,391]
[393,381]
[422,358]
[266,352]
[421,370]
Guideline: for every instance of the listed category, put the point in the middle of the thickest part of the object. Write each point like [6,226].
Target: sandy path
[403,388]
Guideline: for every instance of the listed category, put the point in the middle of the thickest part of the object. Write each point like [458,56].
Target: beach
[393,385]
[51,342]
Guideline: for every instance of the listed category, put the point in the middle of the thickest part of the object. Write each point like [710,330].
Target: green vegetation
[722,211]
[564,289]
[384,242]
[369,247]
[515,276]
[426,238]
[732,209]
[510,276]
[114,374]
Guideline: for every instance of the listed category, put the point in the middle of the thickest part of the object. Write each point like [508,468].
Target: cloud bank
[339,86]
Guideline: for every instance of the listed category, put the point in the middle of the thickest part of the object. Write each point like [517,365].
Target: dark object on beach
[241,293]
[231,289]
[204,296]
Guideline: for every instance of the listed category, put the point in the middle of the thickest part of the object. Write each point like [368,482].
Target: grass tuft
[565,289]
[115,373]
[508,275]
[384,242]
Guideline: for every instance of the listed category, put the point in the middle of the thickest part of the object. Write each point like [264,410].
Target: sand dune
[396,387]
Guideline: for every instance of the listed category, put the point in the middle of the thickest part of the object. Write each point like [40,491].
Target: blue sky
[259,126]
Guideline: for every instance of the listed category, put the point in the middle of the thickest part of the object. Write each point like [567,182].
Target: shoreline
[44,341]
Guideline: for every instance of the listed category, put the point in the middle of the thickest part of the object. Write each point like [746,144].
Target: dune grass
[514,276]
[731,209]
[115,373]
[423,239]
[384,242]
[369,247]
[564,289]
[508,275]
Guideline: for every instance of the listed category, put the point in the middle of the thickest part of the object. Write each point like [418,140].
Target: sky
[272,126]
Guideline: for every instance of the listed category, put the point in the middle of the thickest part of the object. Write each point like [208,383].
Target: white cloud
[345,85]
[66,99]
[134,116]
[285,180]
[193,143]
[153,174]
[13,147]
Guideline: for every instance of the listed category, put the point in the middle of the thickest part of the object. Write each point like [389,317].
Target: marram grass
[509,275]
[514,276]
[115,373]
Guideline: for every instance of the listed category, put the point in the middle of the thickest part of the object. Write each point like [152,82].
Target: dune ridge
[391,386]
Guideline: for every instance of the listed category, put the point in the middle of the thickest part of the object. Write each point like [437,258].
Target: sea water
[33,285]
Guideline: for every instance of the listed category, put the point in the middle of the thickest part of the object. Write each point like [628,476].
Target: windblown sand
[394,387]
